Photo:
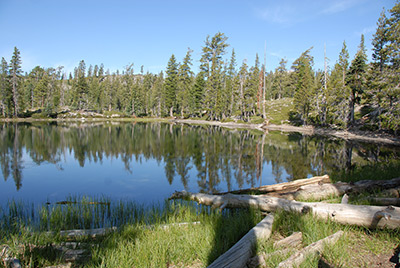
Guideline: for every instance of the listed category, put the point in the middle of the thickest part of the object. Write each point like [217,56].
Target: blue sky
[53,33]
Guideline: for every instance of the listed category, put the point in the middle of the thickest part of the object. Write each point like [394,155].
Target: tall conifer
[171,85]
[15,75]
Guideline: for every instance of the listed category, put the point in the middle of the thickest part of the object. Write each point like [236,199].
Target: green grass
[141,240]
[278,111]
[352,250]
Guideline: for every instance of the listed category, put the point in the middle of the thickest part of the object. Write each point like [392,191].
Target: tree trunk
[87,232]
[284,246]
[283,187]
[384,201]
[238,255]
[367,216]
[315,248]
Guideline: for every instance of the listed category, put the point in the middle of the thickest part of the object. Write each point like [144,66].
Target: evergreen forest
[223,89]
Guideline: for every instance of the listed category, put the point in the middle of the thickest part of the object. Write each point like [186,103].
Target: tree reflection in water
[221,157]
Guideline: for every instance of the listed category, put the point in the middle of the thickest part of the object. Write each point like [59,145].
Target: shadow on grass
[230,226]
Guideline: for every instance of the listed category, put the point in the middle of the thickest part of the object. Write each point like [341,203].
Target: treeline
[222,89]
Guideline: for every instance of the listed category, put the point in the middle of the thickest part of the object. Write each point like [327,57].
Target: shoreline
[367,136]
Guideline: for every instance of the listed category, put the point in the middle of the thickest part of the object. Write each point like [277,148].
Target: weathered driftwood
[167,226]
[318,191]
[73,255]
[283,187]
[293,241]
[238,255]
[286,244]
[260,260]
[367,216]
[384,201]
[373,185]
[87,232]
[315,248]
[66,265]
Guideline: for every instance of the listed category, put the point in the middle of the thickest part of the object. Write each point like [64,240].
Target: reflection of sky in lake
[146,183]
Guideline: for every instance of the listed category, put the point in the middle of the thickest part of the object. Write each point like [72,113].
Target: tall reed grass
[76,212]
[147,235]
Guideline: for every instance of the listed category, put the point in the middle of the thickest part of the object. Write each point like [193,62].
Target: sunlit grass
[146,237]
[348,251]
[278,110]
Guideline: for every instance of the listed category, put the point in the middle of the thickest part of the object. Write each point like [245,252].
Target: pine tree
[80,86]
[197,94]
[243,83]
[279,86]
[15,75]
[391,100]
[5,89]
[157,95]
[304,84]
[229,96]
[338,91]
[250,94]
[356,79]
[127,89]
[171,85]
[185,80]
[212,65]
[377,82]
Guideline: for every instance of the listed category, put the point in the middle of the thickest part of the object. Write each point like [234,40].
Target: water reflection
[221,159]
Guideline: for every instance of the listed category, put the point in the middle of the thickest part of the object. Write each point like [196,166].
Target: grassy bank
[155,240]
[146,237]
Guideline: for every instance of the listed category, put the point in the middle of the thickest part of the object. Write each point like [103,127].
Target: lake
[147,162]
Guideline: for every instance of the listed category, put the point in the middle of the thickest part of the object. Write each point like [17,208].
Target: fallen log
[87,232]
[361,215]
[318,191]
[286,244]
[66,265]
[293,241]
[260,260]
[384,201]
[373,185]
[315,248]
[167,226]
[238,255]
[283,187]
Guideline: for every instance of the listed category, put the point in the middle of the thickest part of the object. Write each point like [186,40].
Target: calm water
[147,162]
